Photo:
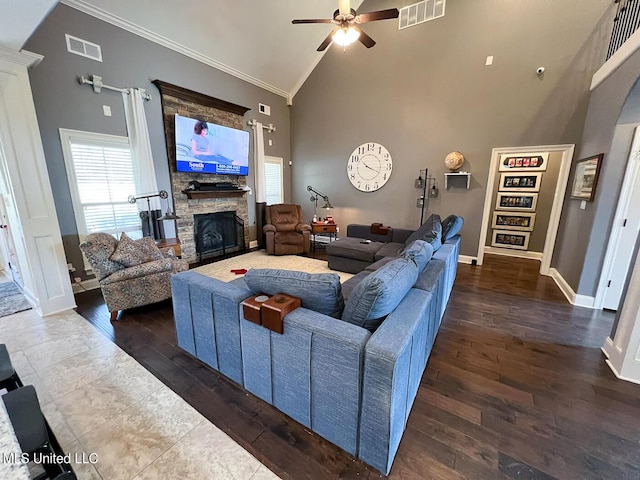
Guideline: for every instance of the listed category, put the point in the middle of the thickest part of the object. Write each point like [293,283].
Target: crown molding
[22,57]
[100,14]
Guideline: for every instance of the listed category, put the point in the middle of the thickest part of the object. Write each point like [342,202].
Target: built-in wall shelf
[196,194]
[453,175]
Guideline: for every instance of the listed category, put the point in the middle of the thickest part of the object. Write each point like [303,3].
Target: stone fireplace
[218,233]
[189,206]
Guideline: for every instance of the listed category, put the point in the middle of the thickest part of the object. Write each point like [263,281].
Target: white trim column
[623,350]
[37,235]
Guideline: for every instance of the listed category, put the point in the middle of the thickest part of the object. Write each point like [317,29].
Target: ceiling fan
[347,20]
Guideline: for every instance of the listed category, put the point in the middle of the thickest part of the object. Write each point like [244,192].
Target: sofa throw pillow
[379,293]
[320,292]
[420,252]
[451,226]
[128,252]
[430,231]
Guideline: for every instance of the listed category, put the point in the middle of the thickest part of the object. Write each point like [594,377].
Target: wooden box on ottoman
[275,309]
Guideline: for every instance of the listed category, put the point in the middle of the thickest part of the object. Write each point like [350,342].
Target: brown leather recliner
[285,230]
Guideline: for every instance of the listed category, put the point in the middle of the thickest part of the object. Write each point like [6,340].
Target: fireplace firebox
[218,233]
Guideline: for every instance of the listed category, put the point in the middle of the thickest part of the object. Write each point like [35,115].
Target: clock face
[369,167]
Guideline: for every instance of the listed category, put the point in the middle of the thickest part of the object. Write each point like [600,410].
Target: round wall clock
[369,167]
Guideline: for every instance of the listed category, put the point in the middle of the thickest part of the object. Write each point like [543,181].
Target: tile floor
[99,400]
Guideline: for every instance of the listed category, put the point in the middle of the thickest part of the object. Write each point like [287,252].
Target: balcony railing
[626,21]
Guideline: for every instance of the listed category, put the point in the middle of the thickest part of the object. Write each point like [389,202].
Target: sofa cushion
[320,292]
[129,253]
[350,285]
[430,231]
[451,226]
[352,247]
[379,263]
[389,250]
[420,252]
[148,245]
[379,293]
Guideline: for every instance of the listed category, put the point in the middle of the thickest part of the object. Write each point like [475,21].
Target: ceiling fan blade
[327,41]
[379,15]
[365,39]
[312,20]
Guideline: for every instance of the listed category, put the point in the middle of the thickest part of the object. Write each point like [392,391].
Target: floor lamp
[146,216]
[314,198]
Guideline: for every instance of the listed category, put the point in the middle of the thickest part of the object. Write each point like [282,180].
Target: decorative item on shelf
[314,198]
[150,225]
[453,161]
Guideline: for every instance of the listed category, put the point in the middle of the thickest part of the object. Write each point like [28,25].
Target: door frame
[628,185]
[558,200]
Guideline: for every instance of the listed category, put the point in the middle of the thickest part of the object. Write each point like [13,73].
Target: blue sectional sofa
[351,379]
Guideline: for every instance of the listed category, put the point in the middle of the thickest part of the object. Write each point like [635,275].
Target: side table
[167,243]
[329,230]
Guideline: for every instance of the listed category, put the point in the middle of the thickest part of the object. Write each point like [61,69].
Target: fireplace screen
[218,233]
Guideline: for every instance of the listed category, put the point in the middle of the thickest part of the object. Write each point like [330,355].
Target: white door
[627,220]
[7,248]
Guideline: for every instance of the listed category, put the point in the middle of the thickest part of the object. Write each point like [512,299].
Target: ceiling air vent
[83,48]
[420,12]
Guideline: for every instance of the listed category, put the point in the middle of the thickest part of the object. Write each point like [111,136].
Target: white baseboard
[513,253]
[573,298]
[253,244]
[467,259]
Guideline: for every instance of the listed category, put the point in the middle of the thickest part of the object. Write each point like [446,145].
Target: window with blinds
[274,179]
[100,173]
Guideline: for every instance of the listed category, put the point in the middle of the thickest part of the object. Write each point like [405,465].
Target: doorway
[624,233]
[556,207]
[7,249]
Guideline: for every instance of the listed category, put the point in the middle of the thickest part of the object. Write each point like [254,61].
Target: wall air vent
[83,48]
[420,12]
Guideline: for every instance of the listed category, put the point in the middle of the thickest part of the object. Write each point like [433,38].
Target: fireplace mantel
[195,194]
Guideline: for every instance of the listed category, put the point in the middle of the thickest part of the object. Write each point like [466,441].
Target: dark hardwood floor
[516,387]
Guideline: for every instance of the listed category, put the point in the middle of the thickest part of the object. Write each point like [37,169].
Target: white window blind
[274,179]
[100,172]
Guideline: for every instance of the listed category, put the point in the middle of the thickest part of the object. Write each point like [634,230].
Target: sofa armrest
[137,271]
[395,358]
[207,313]
[364,231]
[312,372]
[303,227]
[269,228]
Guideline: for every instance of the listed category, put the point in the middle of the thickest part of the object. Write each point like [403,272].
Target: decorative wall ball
[454,161]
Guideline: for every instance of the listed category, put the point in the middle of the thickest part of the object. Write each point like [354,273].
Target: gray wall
[128,61]
[578,256]
[425,91]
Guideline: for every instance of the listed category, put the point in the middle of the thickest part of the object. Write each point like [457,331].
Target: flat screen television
[203,147]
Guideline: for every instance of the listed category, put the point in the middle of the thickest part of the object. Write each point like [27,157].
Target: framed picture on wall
[536,161]
[585,178]
[507,239]
[520,182]
[514,221]
[524,202]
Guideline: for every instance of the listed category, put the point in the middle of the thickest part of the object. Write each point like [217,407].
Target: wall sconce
[314,198]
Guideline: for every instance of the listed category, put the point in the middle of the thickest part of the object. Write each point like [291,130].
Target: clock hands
[370,168]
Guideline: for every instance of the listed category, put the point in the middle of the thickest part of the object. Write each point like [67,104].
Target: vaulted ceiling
[251,39]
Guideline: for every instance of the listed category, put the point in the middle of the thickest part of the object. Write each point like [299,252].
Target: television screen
[203,147]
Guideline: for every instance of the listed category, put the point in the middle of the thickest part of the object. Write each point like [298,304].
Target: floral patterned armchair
[131,273]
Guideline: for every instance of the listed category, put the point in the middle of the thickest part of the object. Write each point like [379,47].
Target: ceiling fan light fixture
[345,36]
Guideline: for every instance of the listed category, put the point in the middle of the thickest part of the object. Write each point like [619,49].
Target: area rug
[234,267]
[11,299]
